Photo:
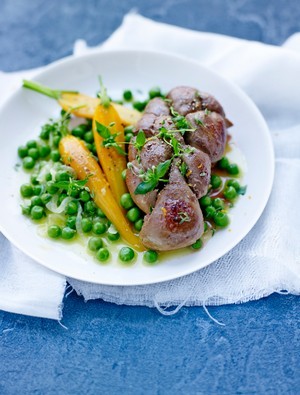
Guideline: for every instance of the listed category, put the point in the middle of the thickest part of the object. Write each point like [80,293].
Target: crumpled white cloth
[268,259]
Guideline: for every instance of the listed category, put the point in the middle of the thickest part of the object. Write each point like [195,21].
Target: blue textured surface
[110,349]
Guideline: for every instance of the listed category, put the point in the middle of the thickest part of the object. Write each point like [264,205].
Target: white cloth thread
[268,259]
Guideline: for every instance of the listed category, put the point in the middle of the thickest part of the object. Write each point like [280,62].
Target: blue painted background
[109,349]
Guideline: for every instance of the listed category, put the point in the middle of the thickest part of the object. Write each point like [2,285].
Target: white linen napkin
[267,260]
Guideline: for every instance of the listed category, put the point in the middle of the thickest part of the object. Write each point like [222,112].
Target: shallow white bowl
[24,113]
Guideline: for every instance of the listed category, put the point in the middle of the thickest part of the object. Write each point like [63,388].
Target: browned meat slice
[209,135]
[210,103]
[155,151]
[185,99]
[157,106]
[132,151]
[144,202]
[176,220]
[146,123]
[198,172]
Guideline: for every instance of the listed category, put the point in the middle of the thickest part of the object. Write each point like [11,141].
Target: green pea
[230,193]
[79,131]
[221,219]
[218,203]
[71,222]
[89,146]
[102,255]
[223,163]
[67,233]
[233,169]
[234,183]
[36,201]
[26,190]
[95,243]
[72,207]
[84,196]
[54,231]
[74,191]
[127,95]
[86,225]
[31,144]
[90,207]
[154,92]
[51,188]
[22,151]
[45,132]
[33,153]
[44,150]
[215,181]
[210,211]
[26,210]
[139,224]
[94,149]
[89,137]
[28,163]
[205,201]
[62,175]
[33,179]
[56,140]
[126,201]
[37,212]
[128,137]
[48,177]
[126,254]
[128,129]
[134,214]
[55,156]
[113,236]
[100,213]
[99,228]
[46,197]
[61,198]
[197,245]
[124,174]
[38,189]
[150,256]
[140,105]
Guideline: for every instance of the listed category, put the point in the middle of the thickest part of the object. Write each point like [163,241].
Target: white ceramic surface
[22,116]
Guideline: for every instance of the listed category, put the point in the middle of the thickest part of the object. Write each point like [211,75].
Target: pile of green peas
[93,222]
[215,208]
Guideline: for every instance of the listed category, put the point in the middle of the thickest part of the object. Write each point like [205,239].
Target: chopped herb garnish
[105,100]
[140,140]
[199,122]
[152,177]
[109,139]
[184,217]
[70,185]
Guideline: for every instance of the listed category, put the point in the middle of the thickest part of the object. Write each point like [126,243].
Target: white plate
[22,116]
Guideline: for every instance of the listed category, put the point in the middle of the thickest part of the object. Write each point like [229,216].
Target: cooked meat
[144,202]
[185,99]
[157,106]
[209,135]
[210,103]
[132,151]
[176,220]
[146,123]
[198,172]
[155,151]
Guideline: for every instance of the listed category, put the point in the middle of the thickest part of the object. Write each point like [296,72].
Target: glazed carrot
[112,161]
[82,105]
[75,154]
